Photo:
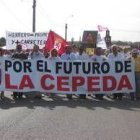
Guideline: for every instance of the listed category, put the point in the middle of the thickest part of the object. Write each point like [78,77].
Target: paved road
[62,119]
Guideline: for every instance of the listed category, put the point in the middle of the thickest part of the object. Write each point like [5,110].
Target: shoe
[69,96]
[114,97]
[14,95]
[38,97]
[99,96]
[82,96]
[120,98]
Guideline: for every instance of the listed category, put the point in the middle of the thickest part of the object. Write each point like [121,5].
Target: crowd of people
[72,52]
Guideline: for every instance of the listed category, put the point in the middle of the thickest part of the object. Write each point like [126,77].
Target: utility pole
[34,15]
[66,26]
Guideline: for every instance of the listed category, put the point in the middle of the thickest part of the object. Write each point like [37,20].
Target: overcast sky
[122,17]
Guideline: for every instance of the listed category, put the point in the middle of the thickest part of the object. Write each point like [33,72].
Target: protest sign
[68,77]
[27,40]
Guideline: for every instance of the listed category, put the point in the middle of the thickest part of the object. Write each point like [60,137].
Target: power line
[45,15]
[13,14]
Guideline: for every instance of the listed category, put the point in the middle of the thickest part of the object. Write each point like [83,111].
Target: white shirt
[126,55]
[54,58]
[84,56]
[36,55]
[65,56]
[74,56]
[98,58]
[115,57]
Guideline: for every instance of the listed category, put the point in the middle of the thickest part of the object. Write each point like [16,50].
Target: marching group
[72,52]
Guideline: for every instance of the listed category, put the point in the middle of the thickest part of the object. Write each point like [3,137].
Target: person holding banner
[98,57]
[1,56]
[36,54]
[67,56]
[136,58]
[82,57]
[7,53]
[82,54]
[74,53]
[116,55]
[18,54]
[46,53]
[54,55]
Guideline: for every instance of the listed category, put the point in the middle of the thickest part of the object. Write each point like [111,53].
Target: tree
[2,41]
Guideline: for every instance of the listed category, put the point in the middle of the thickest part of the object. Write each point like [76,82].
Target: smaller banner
[27,40]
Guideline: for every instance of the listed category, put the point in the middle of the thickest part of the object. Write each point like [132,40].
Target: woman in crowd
[54,55]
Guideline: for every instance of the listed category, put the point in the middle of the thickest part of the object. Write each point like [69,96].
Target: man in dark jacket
[19,54]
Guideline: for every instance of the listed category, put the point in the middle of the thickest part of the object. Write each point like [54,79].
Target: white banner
[27,40]
[68,77]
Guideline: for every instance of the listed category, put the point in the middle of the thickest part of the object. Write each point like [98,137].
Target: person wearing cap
[116,55]
[136,58]
[126,53]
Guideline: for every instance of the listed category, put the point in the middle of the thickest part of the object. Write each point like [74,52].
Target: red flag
[102,28]
[55,41]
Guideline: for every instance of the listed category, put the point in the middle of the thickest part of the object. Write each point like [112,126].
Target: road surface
[63,119]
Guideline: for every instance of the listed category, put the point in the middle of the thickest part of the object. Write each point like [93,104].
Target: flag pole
[66,27]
